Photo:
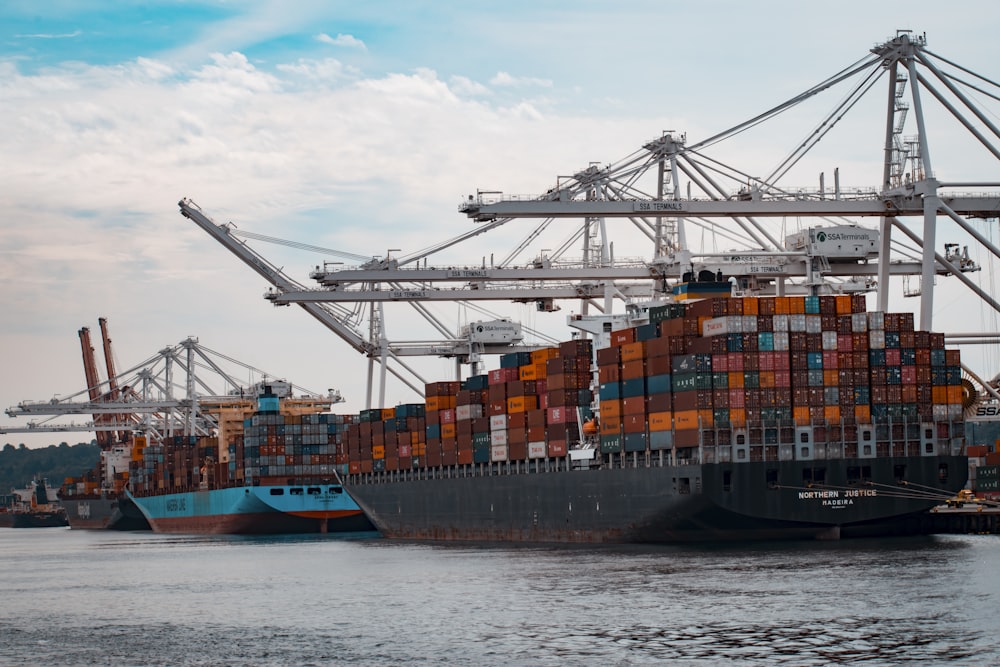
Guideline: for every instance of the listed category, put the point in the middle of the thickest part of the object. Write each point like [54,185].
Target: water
[103,598]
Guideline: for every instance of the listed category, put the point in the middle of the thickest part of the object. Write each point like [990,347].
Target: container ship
[716,419]
[273,474]
[97,500]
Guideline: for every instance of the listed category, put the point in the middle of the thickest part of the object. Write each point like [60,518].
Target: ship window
[741,454]
[314,491]
[899,472]
[928,433]
[684,485]
[857,474]
[297,491]
[866,435]
[943,472]
[868,450]
[929,447]
[804,437]
[336,489]
[727,480]
[741,438]
[277,492]
[813,476]
[772,478]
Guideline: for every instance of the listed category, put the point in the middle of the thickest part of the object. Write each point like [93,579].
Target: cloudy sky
[357,127]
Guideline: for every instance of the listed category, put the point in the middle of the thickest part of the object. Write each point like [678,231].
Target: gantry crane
[670,188]
[185,389]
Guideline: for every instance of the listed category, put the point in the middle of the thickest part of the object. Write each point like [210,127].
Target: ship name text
[837,498]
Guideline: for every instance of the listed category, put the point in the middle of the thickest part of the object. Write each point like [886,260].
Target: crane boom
[93,382]
[273,275]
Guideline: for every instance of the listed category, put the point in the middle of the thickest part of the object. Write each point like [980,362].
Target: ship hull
[254,510]
[693,503]
[55,519]
[104,514]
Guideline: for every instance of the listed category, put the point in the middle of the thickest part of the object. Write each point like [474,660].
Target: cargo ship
[34,506]
[716,419]
[273,474]
[97,500]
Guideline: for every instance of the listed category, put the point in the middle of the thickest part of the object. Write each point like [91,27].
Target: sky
[360,127]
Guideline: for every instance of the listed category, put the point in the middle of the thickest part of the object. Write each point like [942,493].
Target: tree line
[19,465]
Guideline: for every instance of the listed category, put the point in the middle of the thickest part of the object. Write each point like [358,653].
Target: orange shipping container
[611,409]
[801,415]
[707,418]
[388,413]
[633,351]
[831,413]
[843,304]
[611,426]
[686,419]
[448,430]
[660,421]
[529,372]
[863,413]
[750,305]
[737,416]
[522,403]
[378,451]
[544,354]
[439,402]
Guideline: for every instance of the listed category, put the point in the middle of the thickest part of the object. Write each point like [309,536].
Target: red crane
[114,393]
[104,438]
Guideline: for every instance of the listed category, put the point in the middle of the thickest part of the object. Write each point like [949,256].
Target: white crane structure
[180,390]
[672,190]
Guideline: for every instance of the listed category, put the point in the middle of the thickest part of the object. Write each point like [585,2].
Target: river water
[104,598]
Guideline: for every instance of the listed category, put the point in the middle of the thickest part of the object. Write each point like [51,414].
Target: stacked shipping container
[700,370]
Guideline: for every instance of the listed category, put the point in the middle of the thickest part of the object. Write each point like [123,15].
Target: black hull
[686,503]
[40,520]
[107,513]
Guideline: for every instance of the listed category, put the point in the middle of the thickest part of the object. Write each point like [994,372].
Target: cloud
[327,70]
[505,79]
[348,41]
[465,86]
[68,35]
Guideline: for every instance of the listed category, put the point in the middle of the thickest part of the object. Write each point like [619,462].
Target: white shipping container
[498,453]
[720,326]
[829,340]
[876,340]
[781,322]
[498,438]
[797,322]
[876,320]
[814,324]
[749,323]
[536,450]
[467,412]
[859,322]
[498,423]
[781,341]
